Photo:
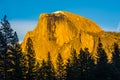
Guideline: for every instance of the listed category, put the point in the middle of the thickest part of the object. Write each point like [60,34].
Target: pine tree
[24,65]
[69,71]
[16,59]
[75,69]
[9,35]
[31,60]
[82,65]
[116,62]
[102,54]
[103,69]
[3,50]
[60,67]
[8,42]
[116,56]
[50,69]
[90,65]
[86,65]
[42,72]
[72,67]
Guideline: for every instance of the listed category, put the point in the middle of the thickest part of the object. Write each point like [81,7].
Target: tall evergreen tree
[102,54]
[72,70]
[75,68]
[3,50]
[31,60]
[50,69]
[90,65]
[116,61]
[8,33]
[86,65]
[42,72]
[80,67]
[69,71]
[60,67]
[24,65]
[17,59]
[103,69]
[116,56]
[8,42]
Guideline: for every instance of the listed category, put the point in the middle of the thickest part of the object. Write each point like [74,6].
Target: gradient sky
[23,14]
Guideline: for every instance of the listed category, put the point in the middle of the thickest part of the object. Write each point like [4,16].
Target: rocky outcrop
[61,31]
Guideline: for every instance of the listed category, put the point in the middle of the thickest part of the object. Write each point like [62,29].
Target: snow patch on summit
[58,12]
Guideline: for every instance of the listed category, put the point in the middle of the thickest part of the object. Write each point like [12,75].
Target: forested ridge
[16,65]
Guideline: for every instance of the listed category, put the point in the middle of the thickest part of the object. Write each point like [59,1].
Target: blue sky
[23,14]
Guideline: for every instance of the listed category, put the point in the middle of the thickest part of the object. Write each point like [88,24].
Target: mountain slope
[61,31]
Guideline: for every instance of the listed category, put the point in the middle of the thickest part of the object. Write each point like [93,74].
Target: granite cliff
[61,31]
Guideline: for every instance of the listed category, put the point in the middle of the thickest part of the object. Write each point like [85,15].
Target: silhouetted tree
[69,71]
[42,72]
[90,65]
[50,75]
[103,69]
[3,51]
[9,55]
[102,54]
[24,65]
[9,35]
[37,70]
[75,68]
[116,62]
[17,59]
[60,67]
[72,69]
[31,60]
[116,56]
[80,67]
[46,71]
[86,65]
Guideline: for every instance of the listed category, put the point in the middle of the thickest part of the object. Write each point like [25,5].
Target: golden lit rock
[61,31]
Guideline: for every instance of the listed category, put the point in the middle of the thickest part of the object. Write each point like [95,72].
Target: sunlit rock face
[61,31]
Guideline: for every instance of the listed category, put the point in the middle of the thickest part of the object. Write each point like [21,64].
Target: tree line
[16,65]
